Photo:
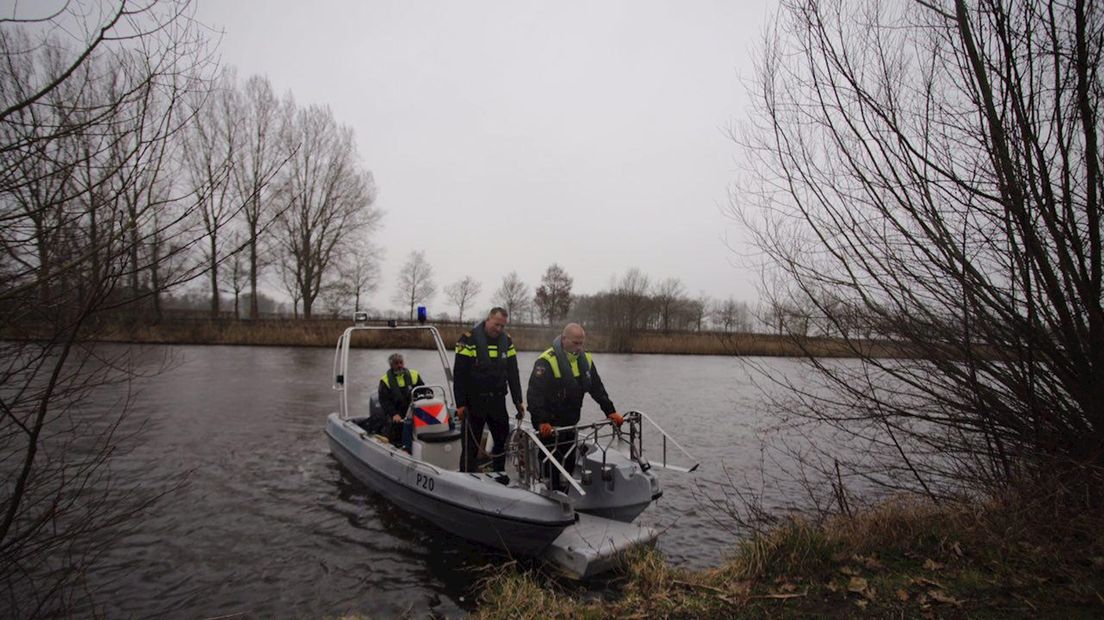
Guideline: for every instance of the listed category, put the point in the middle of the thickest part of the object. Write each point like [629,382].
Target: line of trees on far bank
[633,302]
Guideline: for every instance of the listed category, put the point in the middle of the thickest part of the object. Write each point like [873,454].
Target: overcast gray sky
[512,134]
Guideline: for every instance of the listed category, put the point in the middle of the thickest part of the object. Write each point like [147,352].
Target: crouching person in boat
[560,378]
[486,365]
[394,397]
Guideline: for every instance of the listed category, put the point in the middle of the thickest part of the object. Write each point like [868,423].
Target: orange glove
[617,418]
[545,430]
[460,411]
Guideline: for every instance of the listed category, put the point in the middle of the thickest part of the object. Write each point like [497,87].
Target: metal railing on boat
[341,359]
[531,453]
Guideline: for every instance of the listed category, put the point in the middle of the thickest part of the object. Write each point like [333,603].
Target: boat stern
[594,545]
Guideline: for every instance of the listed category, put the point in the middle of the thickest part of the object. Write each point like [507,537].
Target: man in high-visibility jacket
[394,395]
[561,376]
[486,365]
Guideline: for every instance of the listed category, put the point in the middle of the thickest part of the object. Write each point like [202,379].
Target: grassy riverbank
[324,333]
[900,559]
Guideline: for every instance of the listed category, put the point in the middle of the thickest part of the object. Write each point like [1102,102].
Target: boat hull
[472,506]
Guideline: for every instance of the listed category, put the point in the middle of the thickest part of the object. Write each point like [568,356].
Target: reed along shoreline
[325,332]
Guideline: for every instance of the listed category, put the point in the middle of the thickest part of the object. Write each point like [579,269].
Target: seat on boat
[435,440]
[445,437]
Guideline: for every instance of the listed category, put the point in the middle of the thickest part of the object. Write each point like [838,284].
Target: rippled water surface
[268,524]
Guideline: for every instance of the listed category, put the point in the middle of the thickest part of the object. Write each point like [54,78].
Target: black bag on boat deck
[377,419]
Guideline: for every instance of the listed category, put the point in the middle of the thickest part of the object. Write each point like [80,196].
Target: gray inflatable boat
[585,530]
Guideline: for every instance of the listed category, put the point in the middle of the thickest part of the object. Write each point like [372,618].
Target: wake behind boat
[584,530]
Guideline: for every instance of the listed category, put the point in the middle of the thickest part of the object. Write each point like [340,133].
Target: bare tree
[462,292]
[209,151]
[513,295]
[90,105]
[415,285]
[143,185]
[698,310]
[732,315]
[261,156]
[937,167]
[634,302]
[629,305]
[359,273]
[235,271]
[288,272]
[668,294]
[329,199]
[553,296]
[773,316]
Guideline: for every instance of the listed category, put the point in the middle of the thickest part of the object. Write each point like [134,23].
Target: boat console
[436,439]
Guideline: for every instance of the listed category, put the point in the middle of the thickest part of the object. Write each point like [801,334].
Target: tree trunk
[254,312]
[214,280]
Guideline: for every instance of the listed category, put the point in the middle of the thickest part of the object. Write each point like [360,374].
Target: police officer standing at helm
[486,365]
[561,376]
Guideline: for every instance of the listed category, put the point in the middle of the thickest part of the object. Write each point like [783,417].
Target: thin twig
[1029,603]
[729,600]
[784,596]
[698,585]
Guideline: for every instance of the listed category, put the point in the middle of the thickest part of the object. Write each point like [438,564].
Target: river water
[268,524]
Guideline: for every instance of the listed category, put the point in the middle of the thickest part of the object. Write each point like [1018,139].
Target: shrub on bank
[901,558]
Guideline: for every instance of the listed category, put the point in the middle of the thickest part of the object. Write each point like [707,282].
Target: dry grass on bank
[901,559]
[324,333]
